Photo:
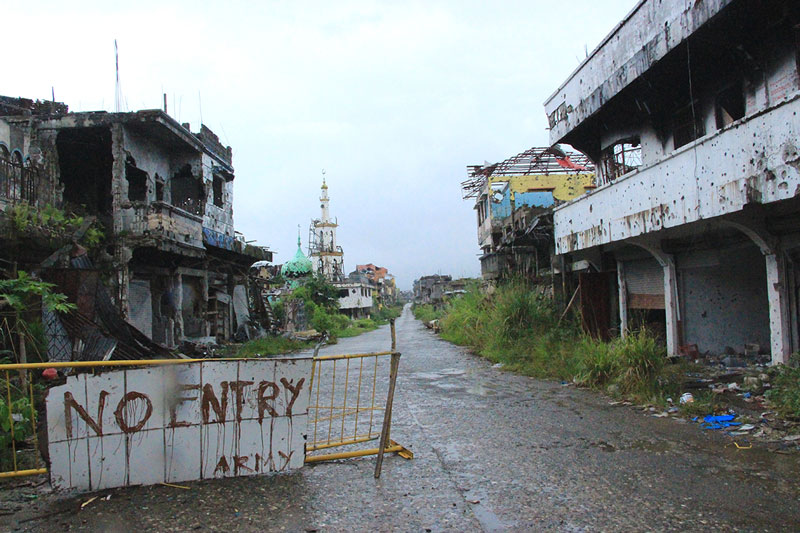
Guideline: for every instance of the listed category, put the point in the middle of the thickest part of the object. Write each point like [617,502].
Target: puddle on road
[660,446]
[603,445]
[489,521]
[427,375]
[480,390]
[452,372]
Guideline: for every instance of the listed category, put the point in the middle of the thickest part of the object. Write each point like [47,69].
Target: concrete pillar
[667,262]
[778,294]
[623,299]
[671,303]
[177,294]
[778,300]
[119,192]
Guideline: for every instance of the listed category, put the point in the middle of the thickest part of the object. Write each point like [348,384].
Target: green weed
[785,392]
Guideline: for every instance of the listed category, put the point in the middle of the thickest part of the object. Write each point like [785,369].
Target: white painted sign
[178,422]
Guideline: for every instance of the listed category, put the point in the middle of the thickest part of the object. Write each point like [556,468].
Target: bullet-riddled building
[689,111]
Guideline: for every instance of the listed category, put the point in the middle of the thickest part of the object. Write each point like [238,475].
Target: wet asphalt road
[494,452]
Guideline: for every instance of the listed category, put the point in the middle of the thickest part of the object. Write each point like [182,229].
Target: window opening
[687,126]
[159,188]
[218,188]
[187,191]
[730,106]
[137,181]
[621,158]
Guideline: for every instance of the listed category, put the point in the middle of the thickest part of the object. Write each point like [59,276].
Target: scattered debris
[184,487]
[87,502]
[719,421]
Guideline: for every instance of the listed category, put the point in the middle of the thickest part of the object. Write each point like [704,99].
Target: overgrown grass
[386,313]
[357,327]
[426,312]
[785,392]
[521,328]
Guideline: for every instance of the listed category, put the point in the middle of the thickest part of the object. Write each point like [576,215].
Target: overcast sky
[392,99]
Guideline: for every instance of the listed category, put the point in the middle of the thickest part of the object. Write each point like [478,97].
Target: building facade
[514,200]
[174,266]
[689,111]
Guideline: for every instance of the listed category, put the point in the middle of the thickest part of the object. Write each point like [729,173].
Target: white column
[777,298]
[623,299]
[671,302]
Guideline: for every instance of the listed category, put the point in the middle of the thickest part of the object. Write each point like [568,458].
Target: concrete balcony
[165,227]
[752,161]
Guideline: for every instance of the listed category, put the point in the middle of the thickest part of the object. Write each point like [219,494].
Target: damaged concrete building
[689,111]
[431,289]
[514,200]
[174,266]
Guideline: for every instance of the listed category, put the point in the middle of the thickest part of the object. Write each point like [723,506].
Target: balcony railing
[17,181]
[163,221]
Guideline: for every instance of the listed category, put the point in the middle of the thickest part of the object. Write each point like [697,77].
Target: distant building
[431,289]
[326,255]
[356,296]
[690,112]
[514,200]
[385,287]
[297,269]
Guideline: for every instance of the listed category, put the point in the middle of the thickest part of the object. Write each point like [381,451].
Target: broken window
[137,181]
[687,125]
[218,186]
[343,293]
[729,106]
[621,158]
[187,191]
[85,164]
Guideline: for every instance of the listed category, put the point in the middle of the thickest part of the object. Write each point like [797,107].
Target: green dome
[298,266]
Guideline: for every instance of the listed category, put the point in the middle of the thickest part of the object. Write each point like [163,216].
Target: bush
[632,365]
[521,328]
[22,413]
[324,320]
[386,313]
[426,312]
[785,393]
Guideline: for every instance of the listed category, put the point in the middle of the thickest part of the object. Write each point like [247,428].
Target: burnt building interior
[170,261]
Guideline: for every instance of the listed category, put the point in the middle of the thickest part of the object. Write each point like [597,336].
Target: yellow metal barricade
[351,404]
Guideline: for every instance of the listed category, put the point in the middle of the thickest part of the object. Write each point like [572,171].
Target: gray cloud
[392,99]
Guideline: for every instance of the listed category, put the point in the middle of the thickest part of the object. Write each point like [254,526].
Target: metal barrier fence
[346,407]
[344,410]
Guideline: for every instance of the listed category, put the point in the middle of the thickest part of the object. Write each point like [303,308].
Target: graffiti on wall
[178,423]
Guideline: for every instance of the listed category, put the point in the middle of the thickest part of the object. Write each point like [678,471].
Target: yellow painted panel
[565,187]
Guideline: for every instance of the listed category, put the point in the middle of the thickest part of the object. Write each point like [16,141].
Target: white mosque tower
[327,257]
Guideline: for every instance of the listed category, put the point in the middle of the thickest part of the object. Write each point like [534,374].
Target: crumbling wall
[724,298]
[718,175]
[140,306]
[218,218]
[193,307]
[149,157]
